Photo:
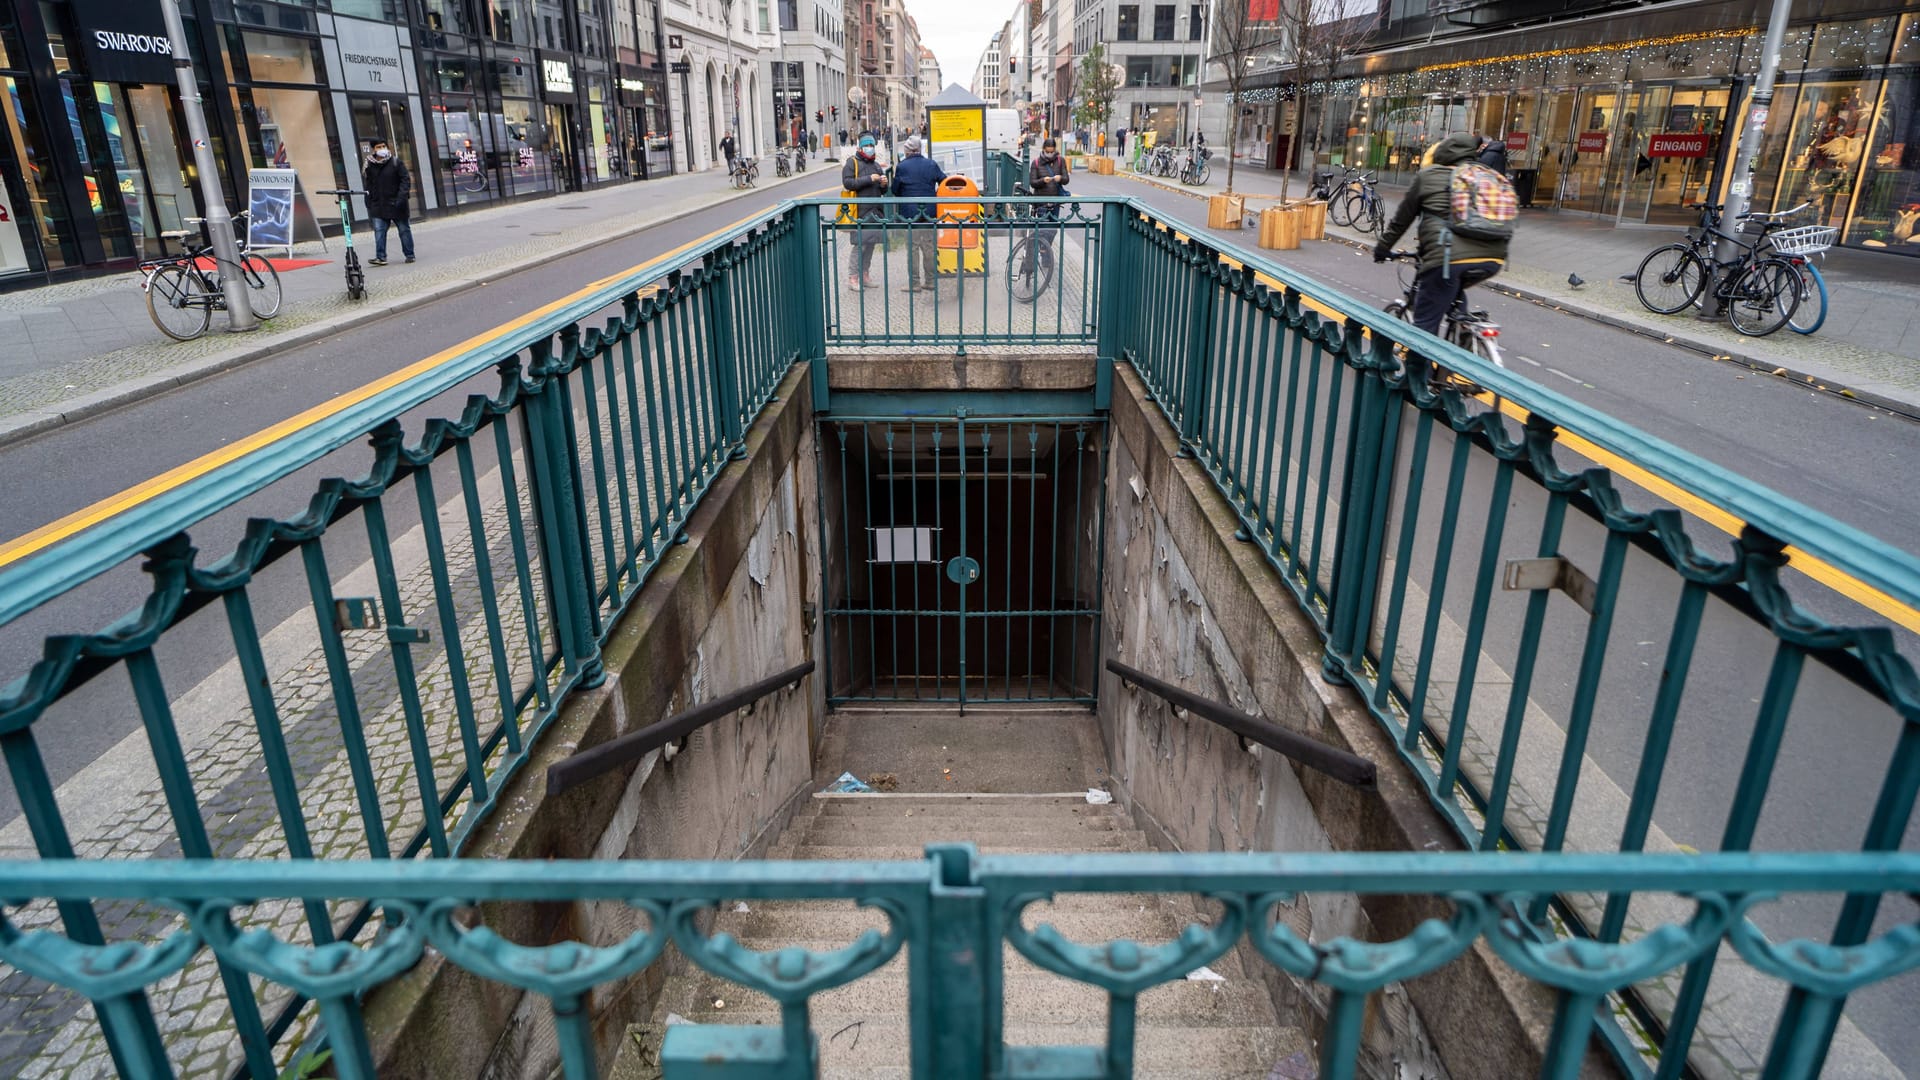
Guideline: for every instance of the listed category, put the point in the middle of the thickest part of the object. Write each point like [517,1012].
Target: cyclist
[1450,262]
[1048,175]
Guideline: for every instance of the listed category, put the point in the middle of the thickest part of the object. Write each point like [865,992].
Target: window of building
[1160,70]
[1129,22]
[1196,22]
[766,20]
[1163,22]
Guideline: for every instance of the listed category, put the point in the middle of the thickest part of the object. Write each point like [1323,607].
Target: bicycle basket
[1806,239]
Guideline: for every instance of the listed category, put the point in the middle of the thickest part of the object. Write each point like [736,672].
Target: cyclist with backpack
[1466,213]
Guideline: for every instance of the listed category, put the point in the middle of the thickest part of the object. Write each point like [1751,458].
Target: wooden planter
[1313,220]
[1280,228]
[1225,211]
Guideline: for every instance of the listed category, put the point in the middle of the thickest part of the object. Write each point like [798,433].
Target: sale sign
[1517,141]
[1682,145]
[1592,142]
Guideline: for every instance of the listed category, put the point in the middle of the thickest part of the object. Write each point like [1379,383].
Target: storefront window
[290,128]
[34,204]
[1821,143]
[282,59]
[1886,212]
[1851,44]
[529,147]
[602,156]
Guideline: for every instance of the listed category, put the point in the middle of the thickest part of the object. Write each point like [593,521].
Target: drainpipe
[226,252]
[1740,191]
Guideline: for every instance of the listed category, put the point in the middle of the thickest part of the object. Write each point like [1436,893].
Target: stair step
[920,832]
[915,852]
[1037,998]
[1013,964]
[1176,904]
[1012,806]
[769,922]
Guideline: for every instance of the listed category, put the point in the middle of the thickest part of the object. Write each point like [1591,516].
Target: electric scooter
[356,277]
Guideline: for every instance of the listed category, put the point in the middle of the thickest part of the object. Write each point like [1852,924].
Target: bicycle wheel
[1203,171]
[178,303]
[1365,211]
[1030,268]
[263,285]
[1763,298]
[1376,215]
[1670,279]
[1812,309]
[1340,206]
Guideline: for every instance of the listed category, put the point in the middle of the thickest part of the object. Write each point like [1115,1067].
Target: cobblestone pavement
[95,335]
[1869,342]
[47,1032]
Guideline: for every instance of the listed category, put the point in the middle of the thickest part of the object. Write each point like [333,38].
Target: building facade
[804,67]
[930,83]
[482,102]
[714,46]
[1160,50]
[1628,116]
[986,74]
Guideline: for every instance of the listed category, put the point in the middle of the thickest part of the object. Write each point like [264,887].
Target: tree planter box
[1280,228]
[1225,211]
[1313,220]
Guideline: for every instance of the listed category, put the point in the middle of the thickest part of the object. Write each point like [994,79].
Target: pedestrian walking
[388,187]
[918,175]
[727,150]
[1493,154]
[863,176]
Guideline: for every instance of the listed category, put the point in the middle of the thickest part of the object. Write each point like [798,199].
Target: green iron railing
[609,416]
[594,427]
[1425,534]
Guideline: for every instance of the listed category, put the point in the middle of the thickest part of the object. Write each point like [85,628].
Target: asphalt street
[1845,459]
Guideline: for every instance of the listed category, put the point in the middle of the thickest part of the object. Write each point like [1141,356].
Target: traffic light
[819,117]
[836,111]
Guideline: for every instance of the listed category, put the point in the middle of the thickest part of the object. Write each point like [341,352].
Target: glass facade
[506,99]
[1634,130]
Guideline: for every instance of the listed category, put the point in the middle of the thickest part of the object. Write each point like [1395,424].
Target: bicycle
[183,294]
[356,276]
[1363,207]
[1324,187]
[1030,264]
[1760,292]
[1473,329]
[780,166]
[1340,204]
[1194,171]
[1799,246]
[744,172]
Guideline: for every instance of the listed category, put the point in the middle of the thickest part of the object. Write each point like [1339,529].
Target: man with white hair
[919,175]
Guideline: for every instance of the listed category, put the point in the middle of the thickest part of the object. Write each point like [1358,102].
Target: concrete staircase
[1189,1028]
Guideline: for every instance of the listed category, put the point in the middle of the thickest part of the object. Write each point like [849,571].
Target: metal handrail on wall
[1335,762]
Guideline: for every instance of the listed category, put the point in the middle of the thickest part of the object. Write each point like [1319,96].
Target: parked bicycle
[1030,263]
[745,171]
[1194,170]
[1800,246]
[780,166]
[356,276]
[1341,202]
[1326,185]
[1471,328]
[1363,208]
[183,291]
[1759,290]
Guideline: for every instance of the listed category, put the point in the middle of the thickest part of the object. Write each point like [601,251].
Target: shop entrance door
[1555,150]
[377,118]
[560,146]
[1678,176]
[1590,151]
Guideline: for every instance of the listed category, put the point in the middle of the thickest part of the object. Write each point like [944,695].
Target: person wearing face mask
[388,186]
[864,176]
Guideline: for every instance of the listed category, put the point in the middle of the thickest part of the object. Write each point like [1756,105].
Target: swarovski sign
[124,43]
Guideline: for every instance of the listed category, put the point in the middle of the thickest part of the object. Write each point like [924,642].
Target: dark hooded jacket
[867,179]
[1431,200]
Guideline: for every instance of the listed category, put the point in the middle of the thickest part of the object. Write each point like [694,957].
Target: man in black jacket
[388,188]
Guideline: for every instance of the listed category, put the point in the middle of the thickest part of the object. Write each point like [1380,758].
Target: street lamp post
[226,252]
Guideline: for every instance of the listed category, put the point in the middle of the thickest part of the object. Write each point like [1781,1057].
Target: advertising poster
[13,251]
[277,212]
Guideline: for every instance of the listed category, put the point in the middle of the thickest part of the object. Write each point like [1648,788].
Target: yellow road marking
[53,532]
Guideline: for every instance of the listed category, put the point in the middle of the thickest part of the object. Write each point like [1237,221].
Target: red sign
[1263,11]
[1592,142]
[1677,145]
[1517,141]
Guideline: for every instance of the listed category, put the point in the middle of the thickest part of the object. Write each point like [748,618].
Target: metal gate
[962,558]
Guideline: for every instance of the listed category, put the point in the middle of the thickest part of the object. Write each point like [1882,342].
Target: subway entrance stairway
[1216,697]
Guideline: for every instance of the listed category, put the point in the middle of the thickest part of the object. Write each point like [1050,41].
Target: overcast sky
[958,31]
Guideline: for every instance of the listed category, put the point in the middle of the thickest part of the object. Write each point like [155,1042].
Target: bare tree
[1244,31]
[1318,35]
[1096,85]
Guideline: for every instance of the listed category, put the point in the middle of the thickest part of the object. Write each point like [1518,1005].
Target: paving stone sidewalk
[92,345]
[1869,343]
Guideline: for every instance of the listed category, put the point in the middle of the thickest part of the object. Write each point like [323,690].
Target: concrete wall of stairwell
[723,610]
[1186,602]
